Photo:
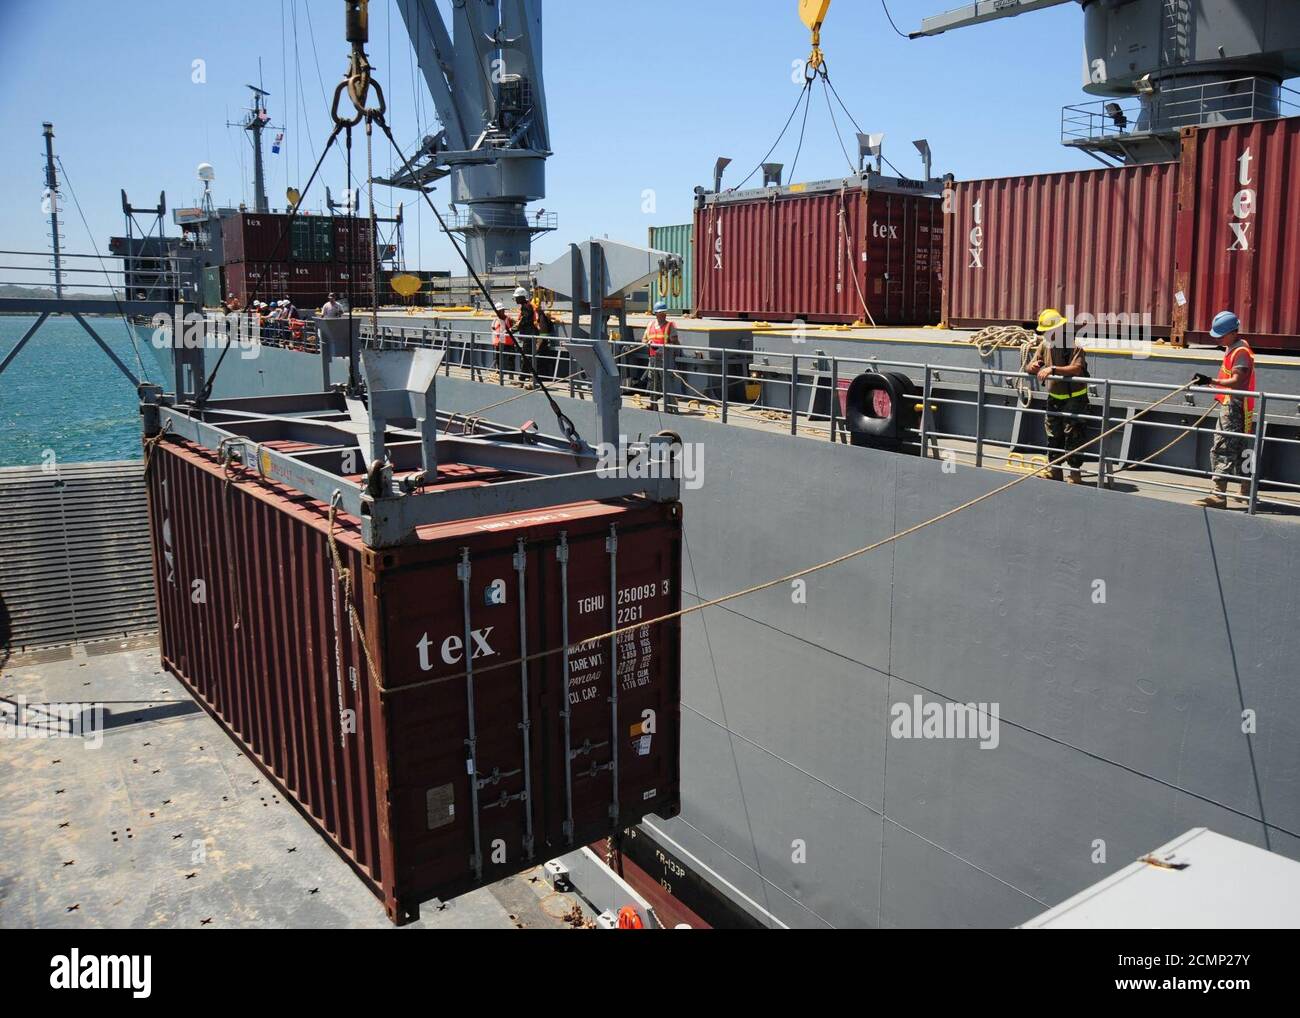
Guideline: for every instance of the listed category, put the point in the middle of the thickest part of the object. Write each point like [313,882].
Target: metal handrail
[722,367]
[1239,99]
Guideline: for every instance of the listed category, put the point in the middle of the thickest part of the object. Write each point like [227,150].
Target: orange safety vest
[657,335]
[1226,372]
[500,332]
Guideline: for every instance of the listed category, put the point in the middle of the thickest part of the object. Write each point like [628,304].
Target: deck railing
[989,416]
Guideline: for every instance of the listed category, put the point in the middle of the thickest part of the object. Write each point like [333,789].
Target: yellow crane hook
[813,13]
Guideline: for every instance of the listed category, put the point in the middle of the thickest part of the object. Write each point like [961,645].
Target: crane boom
[979,12]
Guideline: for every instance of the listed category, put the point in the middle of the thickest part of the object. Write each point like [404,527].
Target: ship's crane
[485,77]
[1164,65]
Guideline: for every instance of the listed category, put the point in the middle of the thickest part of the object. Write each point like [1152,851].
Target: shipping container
[867,249]
[255,237]
[1239,232]
[254,620]
[213,291]
[311,239]
[1096,244]
[353,240]
[676,288]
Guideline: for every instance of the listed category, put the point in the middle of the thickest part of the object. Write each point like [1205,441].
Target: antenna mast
[255,123]
[52,192]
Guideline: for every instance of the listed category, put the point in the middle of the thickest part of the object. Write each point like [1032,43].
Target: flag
[275,145]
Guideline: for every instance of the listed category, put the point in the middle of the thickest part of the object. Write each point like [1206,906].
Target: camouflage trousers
[1227,451]
[1063,433]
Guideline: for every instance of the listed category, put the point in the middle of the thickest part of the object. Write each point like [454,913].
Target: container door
[611,721]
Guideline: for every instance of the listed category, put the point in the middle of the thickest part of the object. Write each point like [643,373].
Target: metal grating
[75,561]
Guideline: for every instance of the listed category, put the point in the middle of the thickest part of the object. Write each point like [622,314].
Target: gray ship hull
[1120,720]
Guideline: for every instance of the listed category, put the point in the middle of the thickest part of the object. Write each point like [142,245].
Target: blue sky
[642,96]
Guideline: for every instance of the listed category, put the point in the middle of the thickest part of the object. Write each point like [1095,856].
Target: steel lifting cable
[807,87]
[567,427]
[790,577]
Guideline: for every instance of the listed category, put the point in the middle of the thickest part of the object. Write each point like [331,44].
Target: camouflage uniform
[1065,434]
[1227,450]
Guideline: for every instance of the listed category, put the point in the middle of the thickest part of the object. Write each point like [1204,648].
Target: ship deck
[160,821]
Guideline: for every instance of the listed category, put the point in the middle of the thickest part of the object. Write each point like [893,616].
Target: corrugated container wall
[1239,231]
[1098,241]
[678,240]
[254,621]
[834,256]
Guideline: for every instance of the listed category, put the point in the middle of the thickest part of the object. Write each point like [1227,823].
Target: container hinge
[462,570]
[611,543]
[562,553]
[566,829]
[519,561]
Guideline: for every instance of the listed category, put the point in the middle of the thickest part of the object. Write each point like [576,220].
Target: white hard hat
[499,306]
[520,292]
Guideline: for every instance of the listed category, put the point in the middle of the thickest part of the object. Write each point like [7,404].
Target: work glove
[1201,380]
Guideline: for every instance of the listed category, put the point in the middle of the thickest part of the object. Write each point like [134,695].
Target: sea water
[63,397]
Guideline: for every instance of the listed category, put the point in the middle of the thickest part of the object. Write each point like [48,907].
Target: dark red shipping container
[832,254]
[1095,242]
[1239,232]
[256,237]
[253,621]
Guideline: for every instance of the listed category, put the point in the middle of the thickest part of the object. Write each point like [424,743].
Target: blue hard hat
[1225,324]
[661,305]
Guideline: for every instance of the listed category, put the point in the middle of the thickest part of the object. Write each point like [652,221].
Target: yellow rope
[345,578]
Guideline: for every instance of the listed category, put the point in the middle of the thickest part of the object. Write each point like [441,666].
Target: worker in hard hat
[1236,413]
[526,327]
[658,334]
[503,343]
[1066,365]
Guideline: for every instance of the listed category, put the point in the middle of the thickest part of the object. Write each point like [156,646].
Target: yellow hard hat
[1051,319]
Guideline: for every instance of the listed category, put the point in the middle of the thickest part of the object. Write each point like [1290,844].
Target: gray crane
[1164,65]
[485,77]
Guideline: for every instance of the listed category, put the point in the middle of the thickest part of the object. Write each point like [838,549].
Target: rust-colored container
[825,254]
[1239,232]
[256,237]
[254,620]
[353,241]
[1099,242]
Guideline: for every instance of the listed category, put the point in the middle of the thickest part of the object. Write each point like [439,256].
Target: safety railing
[978,413]
[108,277]
[1166,110]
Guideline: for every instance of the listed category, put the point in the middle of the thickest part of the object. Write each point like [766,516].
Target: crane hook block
[357,21]
[813,13]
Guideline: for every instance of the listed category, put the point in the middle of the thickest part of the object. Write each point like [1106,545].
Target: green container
[678,240]
[311,239]
[212,291]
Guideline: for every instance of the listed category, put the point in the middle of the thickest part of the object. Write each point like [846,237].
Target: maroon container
[1239,232]
[353,240]
[256,237]
[253,621]
[1100,242]
[833,254]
